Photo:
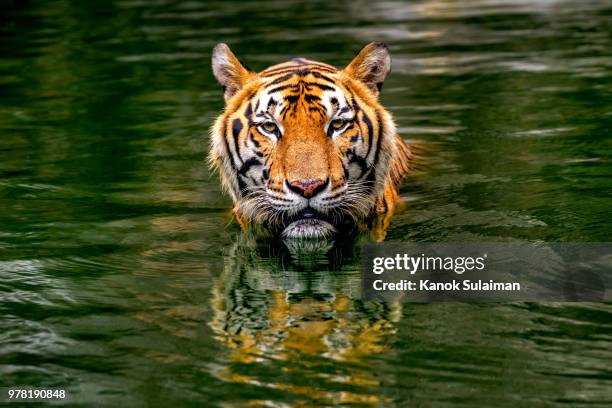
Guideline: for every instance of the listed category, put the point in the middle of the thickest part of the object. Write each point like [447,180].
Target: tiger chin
[305,149]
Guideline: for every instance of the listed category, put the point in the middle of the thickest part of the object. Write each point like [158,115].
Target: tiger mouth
[308,224]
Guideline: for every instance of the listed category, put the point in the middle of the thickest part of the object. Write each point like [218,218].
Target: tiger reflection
[301,317]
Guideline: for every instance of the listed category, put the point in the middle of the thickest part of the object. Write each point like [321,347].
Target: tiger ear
[371,66]
[228,70]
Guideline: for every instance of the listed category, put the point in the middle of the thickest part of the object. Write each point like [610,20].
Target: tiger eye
[338,124]
[269,127]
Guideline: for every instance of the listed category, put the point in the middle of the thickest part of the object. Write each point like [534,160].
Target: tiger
[305,149]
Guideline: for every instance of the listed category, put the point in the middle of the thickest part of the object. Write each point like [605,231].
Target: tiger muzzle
[308,224]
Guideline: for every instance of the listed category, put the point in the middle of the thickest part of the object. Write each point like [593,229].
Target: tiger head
[305,148]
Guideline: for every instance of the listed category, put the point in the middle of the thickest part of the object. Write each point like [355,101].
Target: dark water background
[124,280]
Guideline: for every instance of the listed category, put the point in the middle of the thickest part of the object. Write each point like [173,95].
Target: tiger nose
[307,188]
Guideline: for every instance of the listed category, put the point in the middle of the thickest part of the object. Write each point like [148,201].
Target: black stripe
[323,77]
[253,161]
[236,128]
[284,111]
[320,86]
[380,135]
[320,66]
[241,186]
[250,96]
[293,68]
[311,98]
[227,148]
[372,175]
[360,161]
[271,104]
[292,98]
[255,142]
[353,102]
[368,123]
[300,86]
[281,88]
[280,71]
[380,124]
[282,78]
[346,173]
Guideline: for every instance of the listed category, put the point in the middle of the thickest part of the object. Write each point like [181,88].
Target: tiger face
[304,148]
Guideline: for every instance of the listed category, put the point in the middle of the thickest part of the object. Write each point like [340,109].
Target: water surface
[124,280]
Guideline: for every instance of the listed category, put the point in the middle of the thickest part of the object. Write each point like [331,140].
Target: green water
[124,280]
